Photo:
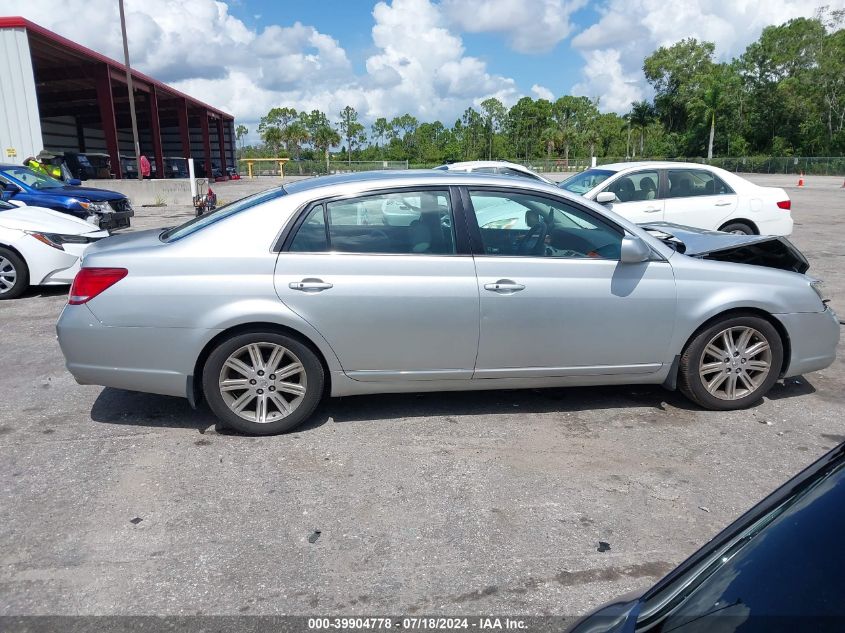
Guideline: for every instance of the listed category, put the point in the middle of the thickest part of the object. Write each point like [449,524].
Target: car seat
[648,190]
[625,189]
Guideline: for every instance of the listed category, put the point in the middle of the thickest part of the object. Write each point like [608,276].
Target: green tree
[240,133]
[676,74]
[351,130]
[294,136]
[571,115]
[324,138]
[493,115]
[272,125]
[379,131]
[642,113]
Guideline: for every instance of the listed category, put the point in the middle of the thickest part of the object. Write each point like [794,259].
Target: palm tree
[642,113]
[553,138]
[325,137]
[240,132]
[295,135]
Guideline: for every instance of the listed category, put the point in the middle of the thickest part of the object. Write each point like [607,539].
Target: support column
[184,128]
[105,101]
[206,143]
[221,142]
[80,135]
[155,131]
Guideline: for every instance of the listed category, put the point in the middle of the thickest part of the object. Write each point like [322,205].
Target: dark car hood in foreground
[89,193]
[771,251]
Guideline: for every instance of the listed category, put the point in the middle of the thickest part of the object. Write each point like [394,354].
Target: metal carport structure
[63,97]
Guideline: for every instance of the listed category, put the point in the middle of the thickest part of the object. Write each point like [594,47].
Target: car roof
[485,163]
[411,177]
[658,164]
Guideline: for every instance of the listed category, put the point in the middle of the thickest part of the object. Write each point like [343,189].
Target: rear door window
[410,222]
[688,183]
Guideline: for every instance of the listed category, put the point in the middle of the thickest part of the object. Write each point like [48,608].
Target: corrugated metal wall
[20,128]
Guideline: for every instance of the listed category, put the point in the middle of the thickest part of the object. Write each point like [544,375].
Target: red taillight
[89,282]
[785,204]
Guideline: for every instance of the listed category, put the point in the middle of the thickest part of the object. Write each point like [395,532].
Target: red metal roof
[20,22]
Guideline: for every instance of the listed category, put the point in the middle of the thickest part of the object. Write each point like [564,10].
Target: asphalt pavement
[121,503]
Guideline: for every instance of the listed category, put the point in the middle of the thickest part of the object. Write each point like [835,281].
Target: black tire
[314,381]
[691,383]
[13,262]
[739,227]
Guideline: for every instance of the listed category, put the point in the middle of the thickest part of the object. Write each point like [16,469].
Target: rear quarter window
[197,224]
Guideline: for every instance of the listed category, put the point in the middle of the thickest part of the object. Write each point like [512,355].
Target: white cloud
[541,92]
[418,63]
[530,26]
[607,80]
[630,30]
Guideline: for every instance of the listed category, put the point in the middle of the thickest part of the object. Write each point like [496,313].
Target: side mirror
[634,250]
[74,182]
[606,197]
[7,190]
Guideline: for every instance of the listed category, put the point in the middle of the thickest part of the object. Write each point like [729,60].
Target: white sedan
[686,193]
[499,167]
[40,247]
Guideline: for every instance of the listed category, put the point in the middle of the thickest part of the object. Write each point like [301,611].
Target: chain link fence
[815,165]
[318,167]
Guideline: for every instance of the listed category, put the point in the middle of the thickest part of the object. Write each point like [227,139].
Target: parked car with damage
[319,297]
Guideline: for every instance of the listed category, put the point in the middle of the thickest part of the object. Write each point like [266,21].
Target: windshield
[583,182]
[200,222]
[786,563]
[32,178]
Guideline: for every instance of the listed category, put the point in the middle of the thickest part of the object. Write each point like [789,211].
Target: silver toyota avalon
[431,281]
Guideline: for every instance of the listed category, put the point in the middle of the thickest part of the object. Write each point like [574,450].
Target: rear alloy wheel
[738,228]
[263,383]
[732,363]
[14,275]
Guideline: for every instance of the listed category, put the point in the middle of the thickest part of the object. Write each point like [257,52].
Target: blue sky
[431,58]
[350,22]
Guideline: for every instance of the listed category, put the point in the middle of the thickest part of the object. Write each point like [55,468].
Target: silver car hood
[772,251]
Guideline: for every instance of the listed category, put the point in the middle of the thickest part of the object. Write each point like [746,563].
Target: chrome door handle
[313,285]
[504,286]
[651,210]
[723,204]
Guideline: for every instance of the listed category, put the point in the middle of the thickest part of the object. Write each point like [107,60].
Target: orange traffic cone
[801,180]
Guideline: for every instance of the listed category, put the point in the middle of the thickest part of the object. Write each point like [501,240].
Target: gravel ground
[115,502]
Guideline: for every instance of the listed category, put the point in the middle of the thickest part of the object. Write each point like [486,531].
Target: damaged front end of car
[771,251]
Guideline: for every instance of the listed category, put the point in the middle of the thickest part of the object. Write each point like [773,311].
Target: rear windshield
[586,180]
[202,221]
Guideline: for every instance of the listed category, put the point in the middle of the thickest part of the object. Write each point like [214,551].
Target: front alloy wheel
[263,382]
[735,363]
[14,275]
[732,363]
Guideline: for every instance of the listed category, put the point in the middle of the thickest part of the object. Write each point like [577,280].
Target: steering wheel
[534,241]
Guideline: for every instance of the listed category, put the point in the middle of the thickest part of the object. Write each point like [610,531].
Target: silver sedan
[318,288]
